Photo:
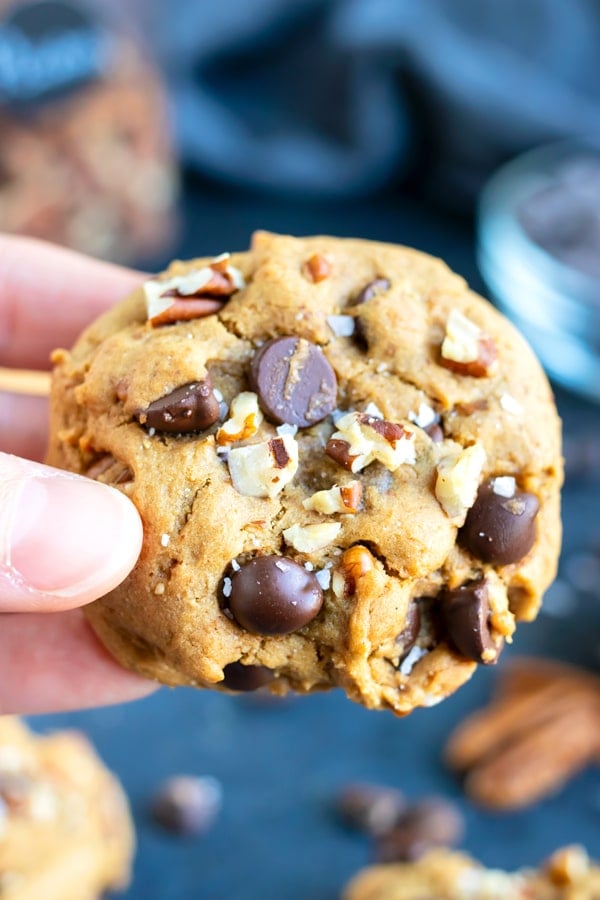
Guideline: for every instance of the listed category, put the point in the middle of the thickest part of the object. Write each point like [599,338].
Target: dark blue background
[280,764]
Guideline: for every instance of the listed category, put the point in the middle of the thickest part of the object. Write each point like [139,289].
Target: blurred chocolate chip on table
[368,807]
[431,822]
[187,804]
[402,829]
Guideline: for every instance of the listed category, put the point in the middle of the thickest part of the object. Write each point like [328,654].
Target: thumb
[64,540]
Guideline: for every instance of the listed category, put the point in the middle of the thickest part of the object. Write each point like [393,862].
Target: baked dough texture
[567,875]
[347,464]
[65,828]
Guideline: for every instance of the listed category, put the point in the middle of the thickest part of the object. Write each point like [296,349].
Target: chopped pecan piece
[317,268]
[466,349]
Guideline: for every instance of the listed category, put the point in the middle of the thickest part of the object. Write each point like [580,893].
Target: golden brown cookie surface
[66,830]
[348,467]
[445,875]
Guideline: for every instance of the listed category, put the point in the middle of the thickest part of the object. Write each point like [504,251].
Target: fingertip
[67,540]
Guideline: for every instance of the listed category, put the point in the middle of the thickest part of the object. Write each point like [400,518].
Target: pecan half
[542,727]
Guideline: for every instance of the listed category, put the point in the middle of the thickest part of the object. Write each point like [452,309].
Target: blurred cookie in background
[567,875]
[86,158]
[65,827]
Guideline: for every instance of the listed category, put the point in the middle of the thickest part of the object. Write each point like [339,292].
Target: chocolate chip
[500,529]
[186,804]
[294,381]
[274,595]
[465,613]
[370,290]
[409,634]
[239,677]
[435,432]
[372,808]
[191,407]
[430,823]
[359,335]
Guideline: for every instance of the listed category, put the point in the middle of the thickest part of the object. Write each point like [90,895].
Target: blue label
[47,49]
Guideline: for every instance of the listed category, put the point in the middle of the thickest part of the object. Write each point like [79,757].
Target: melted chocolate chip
[239,677]
[274,595]
[186,804]
[359,335]
[500,530]
[370,290]
[294,382]
[191,407]
[409,634]
[435,432]
[430,823]
[372,808]
[465,613]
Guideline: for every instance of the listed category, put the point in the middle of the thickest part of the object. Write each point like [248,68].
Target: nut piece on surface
[466,349]
[317,268]
[344,499]
[310,538]
[457,480]
[192,296]
[369,438]
[568,866]
[244,419]
[356,562]
[541,728]
[263,470]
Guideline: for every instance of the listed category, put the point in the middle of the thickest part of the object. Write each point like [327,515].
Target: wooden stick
[25,381]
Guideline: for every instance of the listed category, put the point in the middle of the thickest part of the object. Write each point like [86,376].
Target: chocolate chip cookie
[348,467]
[568,875]
[66,831]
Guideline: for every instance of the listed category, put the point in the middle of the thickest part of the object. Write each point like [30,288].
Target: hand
[64,540]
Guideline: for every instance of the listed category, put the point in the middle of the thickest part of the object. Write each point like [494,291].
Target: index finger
[48,295]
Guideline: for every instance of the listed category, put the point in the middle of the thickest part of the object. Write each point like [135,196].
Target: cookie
[66,830]
[348,467]
[567,875]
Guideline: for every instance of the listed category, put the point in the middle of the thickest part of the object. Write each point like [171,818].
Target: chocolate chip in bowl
[318,512]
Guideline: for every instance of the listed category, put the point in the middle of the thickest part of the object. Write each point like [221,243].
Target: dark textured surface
[281,764]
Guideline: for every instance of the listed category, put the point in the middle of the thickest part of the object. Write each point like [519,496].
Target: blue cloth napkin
[329,97]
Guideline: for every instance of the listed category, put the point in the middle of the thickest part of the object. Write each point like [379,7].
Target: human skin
[64,540]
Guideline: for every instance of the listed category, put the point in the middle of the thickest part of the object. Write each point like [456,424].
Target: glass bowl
[539,253]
